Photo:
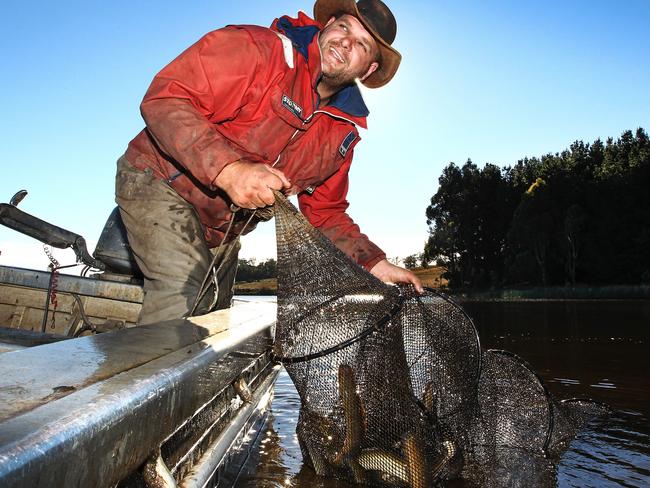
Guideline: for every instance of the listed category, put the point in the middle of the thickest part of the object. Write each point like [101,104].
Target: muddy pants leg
[166,237]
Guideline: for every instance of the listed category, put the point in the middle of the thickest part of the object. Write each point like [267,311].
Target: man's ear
[332,19]
[371,69]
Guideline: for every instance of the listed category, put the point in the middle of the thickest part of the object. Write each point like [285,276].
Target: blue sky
[490,81]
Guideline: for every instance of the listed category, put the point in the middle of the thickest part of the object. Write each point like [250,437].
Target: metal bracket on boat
[14,218]
[80,323]
[242,389]
[156,474]
[18,197]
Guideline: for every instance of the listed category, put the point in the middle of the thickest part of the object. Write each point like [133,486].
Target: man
[245,111]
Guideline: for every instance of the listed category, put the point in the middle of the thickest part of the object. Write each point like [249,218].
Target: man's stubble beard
[338,81]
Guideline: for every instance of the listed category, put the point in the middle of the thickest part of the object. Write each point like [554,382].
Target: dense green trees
[579,216]
[249,270]
[411,261]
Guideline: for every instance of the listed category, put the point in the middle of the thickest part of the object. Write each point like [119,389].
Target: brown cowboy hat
[378,21]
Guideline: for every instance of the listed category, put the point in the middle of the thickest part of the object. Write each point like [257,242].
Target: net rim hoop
[397,307]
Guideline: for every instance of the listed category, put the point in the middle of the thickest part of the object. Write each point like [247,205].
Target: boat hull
[94,410]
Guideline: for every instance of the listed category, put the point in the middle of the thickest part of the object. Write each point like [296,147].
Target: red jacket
[249,92]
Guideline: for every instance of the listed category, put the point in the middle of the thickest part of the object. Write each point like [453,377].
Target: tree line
[250,270]
[581,216]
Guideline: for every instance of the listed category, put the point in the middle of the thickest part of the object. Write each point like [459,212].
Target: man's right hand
[251,185]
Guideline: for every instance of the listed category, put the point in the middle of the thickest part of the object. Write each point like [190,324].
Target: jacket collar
[302,31]
[350,101]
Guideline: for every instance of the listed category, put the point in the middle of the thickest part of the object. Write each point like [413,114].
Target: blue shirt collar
[350,101]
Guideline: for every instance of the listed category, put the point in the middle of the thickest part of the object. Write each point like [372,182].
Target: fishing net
[395,389]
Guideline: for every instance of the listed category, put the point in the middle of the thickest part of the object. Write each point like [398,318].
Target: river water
[595,349]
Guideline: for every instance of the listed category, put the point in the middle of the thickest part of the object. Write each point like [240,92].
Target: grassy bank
[261,287]
[613,292]
[432,277]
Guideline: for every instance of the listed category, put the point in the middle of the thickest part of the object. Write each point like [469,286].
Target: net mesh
[395,389]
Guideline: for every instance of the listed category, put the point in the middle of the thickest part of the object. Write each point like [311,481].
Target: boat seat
[113,248]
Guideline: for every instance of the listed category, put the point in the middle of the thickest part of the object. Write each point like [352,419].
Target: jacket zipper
[308,119]
[293,136]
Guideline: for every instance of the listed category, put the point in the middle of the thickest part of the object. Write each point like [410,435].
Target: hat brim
[324,10]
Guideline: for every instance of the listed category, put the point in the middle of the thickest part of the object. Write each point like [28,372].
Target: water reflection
[590,349]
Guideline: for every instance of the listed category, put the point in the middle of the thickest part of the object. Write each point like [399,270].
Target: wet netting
[395,389]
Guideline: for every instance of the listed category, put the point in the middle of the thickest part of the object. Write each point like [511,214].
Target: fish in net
[395,388]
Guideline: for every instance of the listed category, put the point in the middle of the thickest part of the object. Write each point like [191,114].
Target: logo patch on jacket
[347,142]
[292,106]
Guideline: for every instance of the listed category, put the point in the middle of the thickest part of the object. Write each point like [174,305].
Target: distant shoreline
[268,286]
[432,278]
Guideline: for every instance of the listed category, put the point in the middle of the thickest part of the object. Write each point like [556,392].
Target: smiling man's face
[348,51]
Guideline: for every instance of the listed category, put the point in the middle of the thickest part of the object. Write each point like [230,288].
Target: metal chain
[54,269]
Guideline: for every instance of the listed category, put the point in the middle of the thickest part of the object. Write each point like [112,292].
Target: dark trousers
[166,237]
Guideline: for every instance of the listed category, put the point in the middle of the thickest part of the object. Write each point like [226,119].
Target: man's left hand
[390,273]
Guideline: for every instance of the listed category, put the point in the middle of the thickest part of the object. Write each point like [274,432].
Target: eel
[385,462]
[429,396]
[419,474]
[319,463]
[242,389]
[353,414]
